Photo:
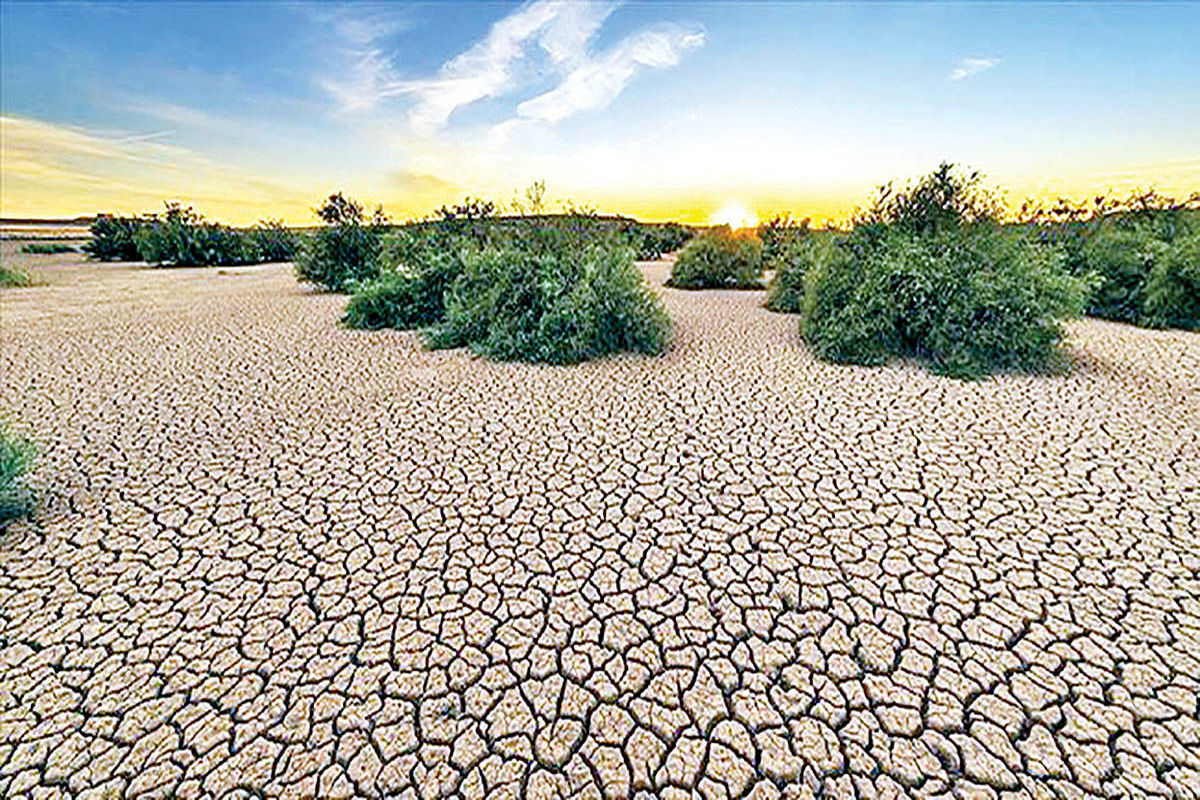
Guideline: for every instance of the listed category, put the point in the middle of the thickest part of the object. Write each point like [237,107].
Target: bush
[182,238]
[650,241]
[16,457]
[720,259]
[1123,242]
[345,250]
[1123,259]
[1173,288]
[557,308]
[47,249]
[273,241]
[114,238]
[405,298]
[968,300]
[12,277]
[785,292]
[780,235]
[943,200]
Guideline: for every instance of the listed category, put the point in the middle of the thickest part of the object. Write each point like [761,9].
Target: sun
[735,215]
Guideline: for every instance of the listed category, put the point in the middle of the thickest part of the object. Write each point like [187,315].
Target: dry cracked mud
[278,558]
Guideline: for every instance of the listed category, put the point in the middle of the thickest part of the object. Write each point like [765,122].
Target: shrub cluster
[650,241]
[1142,250]
[13,276]
[720,259]
[930,272]
[969,301]
[419,262]
[183,238]
[1173,288]
[781,235]
[16,457]
[408,294]
[47,249]
[553,307]
[345,250]
[785,292]
[544,288]
[115,238]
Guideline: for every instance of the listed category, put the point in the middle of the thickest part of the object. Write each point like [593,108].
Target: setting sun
[735,215]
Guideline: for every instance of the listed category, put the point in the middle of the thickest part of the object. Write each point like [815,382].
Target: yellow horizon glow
[55,171]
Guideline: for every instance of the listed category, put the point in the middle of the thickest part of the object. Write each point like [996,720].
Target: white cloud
[596,82]
[505,60]
[972,66]
[364,70]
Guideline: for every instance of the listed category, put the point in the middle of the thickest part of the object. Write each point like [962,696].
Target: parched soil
[279,558]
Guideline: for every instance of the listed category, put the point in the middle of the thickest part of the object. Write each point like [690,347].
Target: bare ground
[276,557]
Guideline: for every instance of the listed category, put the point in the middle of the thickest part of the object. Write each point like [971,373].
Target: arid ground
[274,557]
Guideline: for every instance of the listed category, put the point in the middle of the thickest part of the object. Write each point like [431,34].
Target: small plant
[345,250]
[785,292]
[16,458]
[1173,288]
[553,307]
[114,238]
[12,277]
[47,249]
[720,259]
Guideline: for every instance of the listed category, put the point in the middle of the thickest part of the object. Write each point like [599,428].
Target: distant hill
[30,221]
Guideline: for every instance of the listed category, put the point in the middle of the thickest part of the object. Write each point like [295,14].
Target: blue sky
[663,109]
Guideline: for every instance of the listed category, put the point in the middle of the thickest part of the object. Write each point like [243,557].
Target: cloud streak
[972,66]
[542,37]
[596,82]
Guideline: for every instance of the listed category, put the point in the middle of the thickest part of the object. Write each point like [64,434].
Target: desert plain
[277,558]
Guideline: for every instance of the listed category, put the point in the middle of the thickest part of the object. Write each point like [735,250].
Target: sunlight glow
[735,215]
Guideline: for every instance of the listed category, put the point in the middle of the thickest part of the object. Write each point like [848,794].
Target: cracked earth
[278,558]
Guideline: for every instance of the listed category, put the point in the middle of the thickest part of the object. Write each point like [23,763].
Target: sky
[659,110]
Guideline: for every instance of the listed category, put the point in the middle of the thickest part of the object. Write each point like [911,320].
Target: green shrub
[12,276]
[720,259]
[1123,258]
[970,301]
[650,241]
[273,241]
[16,457]
[114,238]
[943,200]
[780,235]
[345,250]
[1173,288]
[404,298]
[47,249]
[556,308]
[785,292]
[1122,242]
[182,238]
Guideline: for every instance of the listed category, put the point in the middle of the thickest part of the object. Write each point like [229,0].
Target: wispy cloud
[972,66]
[541,37]
[596,82]
[487,68]
[53,169]
[364,72]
